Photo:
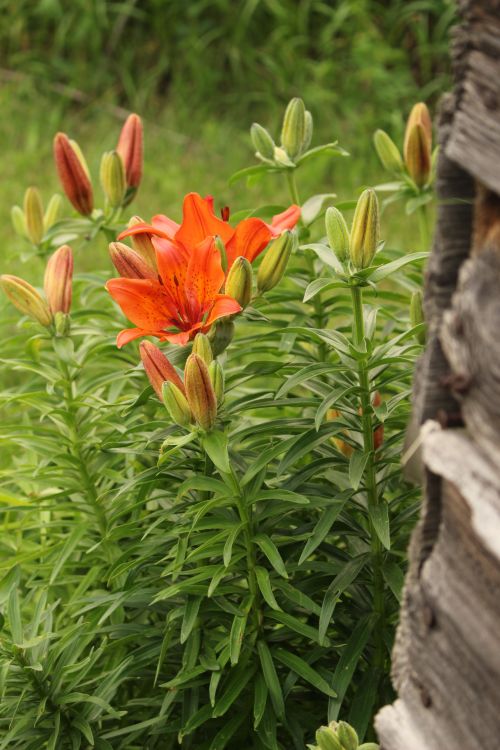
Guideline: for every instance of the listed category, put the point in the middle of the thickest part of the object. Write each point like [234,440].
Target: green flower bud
[308,130]
[281,157]
[200,392]
[347,736]
[337,233]
[388,152]
[53,211]
[113,178]
[221,335]
[62,323]
[217,377]
[327,739]
[417,314]
[201,347]
[18,222]
[239,281]
[293,130]
[262,141]
[369,746]
[275,261]
[26,298]
[176,404]
[33,215]
[365,230]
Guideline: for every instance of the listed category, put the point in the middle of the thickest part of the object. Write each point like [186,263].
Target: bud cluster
[339,735]
[120,173]
[361,243]
[417,148]
[31,221]
[196,399]
[296,135]
[52,309]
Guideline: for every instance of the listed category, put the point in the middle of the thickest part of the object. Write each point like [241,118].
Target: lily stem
[424,228]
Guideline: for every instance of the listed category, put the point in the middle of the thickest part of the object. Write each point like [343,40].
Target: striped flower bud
[130,148]
[347,736]
[417,315]
[52,212]
[73,174]
[275,261]
[217,377]
[221,335]
[293,130]
[418,155]
[388,152]
[327,739]
[365,230]
[308,130]
[33,215]
[158,368]
[128,262]
[337,233]
[113,178]
[18,222]
[419,115]
[57,282]
[142,243]
[262,141]
[200,392]
[239,281]
[176,404]
[26,298]
[201,347]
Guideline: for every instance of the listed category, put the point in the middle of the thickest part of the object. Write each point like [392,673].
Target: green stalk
[424,228]
[371,479]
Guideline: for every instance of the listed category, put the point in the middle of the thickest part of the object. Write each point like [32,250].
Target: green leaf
[172,444]
[357,465]
[230,728]
[258,169]
[347,575]
[271,679]
[236,638]
[314,205]
[215,444]
[271,552]
[228,545]
[379,516]
[14,616]
[395,578]
[304,670]
[265,587]
[312,370]
[363,703]
[260,700]
[293,623]
[381,272]
[328,149]
[328,257]
[240,677]
[190,614]
[323,526]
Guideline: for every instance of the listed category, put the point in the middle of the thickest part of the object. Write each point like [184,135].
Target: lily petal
[144,228]
[199,222]
[285,220]
[169,226]
[223,305]
[204,278]
[145,302]
[250,238]
[129,334]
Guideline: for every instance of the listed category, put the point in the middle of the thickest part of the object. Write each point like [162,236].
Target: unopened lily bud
[53,211]
[418,155]
[293,130]
[388,152]
[347,736]
[327,739]
[200,392]
[158,368]
[219,244]
[369,746]
[221,335]
[217,377]
[201,347]
[142,243]
[337,233]
[176,404]
[365,230]
[26,298]
[81,158]
[419,115]
[262,141]
[62,324]
[33,215]
[18,222]
[308,130]
[281,157]
[57,283]
[73,174]
[275,261]
[130,148]
[129,264]
[113,178]
[417,314]
[239,281]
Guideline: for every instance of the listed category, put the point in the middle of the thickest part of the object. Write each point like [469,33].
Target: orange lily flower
[182,302]
[248,239]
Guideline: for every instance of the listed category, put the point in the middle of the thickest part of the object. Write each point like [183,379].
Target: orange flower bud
[200,392]
[129,263]
[130,148]
[26,298]
[345,448]
[73,175]
[57,282]
[418,116]
[142,243]
[158,368]
[418,155]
